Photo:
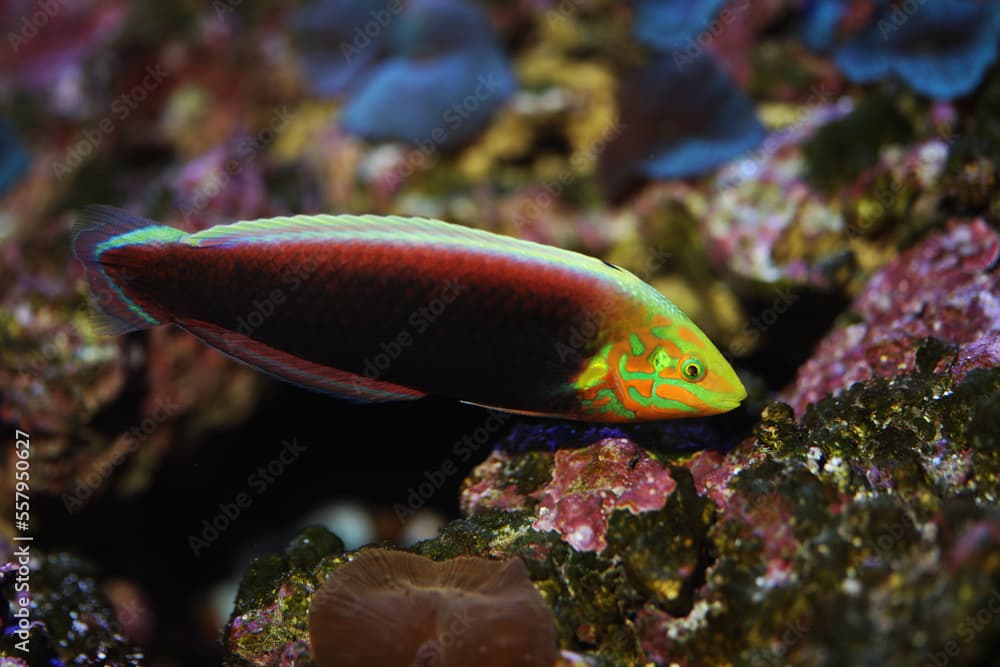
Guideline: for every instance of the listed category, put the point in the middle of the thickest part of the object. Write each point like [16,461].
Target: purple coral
[589,483]
[943,288]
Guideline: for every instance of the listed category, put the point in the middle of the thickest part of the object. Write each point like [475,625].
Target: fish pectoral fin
[301,372]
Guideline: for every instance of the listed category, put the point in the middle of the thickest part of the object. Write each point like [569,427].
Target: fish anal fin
[302,372]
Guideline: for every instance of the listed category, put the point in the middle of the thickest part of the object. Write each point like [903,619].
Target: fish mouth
[727,404]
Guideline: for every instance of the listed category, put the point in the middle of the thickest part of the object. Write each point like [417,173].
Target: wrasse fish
[384,308]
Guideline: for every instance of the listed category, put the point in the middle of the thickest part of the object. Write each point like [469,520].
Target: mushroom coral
[392,608]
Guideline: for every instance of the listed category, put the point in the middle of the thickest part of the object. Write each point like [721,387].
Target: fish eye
[692,369]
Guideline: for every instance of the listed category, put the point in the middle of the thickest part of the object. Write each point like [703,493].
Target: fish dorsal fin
[331,227]
[393,229]
[298,371]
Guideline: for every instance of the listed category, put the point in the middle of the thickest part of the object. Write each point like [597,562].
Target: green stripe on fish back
[152,234]
[373,228]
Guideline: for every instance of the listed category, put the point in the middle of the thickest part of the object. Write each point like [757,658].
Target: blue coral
[941,49]
[820,23]
[668,25]
[443,82]
[338,39]
[14,158]
[682,116]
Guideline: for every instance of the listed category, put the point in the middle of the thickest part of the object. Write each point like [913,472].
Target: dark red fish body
[385,308]
[420,318]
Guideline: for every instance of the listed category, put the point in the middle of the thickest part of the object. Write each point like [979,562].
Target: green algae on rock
[857,528]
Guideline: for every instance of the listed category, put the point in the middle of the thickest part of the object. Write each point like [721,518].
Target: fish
[376,308]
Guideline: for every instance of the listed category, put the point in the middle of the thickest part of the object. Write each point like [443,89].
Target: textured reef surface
[946,289]
[876,508]
[69,614]
[813,182]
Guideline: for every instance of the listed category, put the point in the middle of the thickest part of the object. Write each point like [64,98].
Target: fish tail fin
[101,239]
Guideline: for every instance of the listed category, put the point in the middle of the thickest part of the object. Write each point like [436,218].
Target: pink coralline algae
[492,486]
[589,483]
[944,288]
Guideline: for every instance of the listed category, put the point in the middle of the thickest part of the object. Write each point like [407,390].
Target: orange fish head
[664,370]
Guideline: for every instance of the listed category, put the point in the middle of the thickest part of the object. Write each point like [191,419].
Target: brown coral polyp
[397,609]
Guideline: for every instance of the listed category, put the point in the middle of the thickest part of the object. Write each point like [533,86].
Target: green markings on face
[596,371]
[661,332]
[604,400]
[660,359]
[613,405]
[609,387]
[636,343]
[653,399]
